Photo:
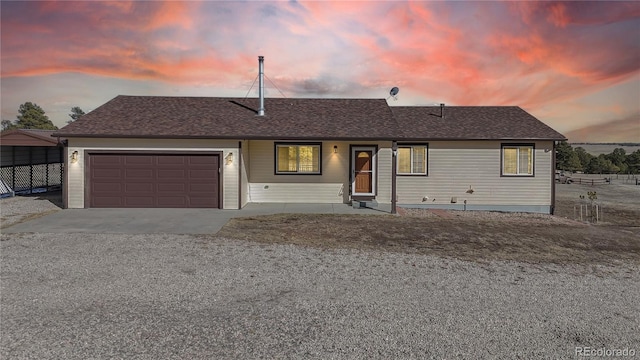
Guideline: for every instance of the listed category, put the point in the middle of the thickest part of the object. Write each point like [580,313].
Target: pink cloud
[474,53]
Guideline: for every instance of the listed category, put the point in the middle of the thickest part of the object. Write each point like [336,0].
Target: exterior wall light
[335,149]
[229,159]
[74,157]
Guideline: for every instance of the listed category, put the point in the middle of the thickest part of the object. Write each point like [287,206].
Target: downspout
[240,166]
[64,171]
[261,85]
[394,154]
[553,179]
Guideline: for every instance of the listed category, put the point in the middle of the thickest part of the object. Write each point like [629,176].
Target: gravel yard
[79,296]
[22,208]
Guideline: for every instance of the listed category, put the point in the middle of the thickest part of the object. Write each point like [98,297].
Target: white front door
[363,170]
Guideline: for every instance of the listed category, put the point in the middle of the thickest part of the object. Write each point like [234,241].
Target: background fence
[584,181]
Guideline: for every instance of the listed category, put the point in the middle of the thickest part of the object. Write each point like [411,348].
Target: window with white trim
[298,158]
[517,160]
[412,160]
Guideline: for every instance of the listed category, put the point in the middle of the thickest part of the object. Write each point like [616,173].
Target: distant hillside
[606,148]
[617,131]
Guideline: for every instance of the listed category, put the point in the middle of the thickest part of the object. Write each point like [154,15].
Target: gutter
[394,154]
[316,137]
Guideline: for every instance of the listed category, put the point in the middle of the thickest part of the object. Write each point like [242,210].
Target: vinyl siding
[384,173]
[76,172]
[454,167]
[332,186]
[244,169]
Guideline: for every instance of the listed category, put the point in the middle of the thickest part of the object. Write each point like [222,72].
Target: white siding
[244,172]
[384,173]
[76,172]
[332,186]
[454,167]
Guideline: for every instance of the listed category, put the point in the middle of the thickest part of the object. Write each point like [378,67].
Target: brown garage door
[153,181]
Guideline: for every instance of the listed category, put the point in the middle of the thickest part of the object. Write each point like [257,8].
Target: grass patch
[523,238]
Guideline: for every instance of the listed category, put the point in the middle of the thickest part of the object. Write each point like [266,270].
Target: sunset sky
[573,65]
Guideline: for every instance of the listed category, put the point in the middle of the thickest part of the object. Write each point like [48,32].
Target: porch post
[46,160]
[394,154]
[13,168]
[30,169]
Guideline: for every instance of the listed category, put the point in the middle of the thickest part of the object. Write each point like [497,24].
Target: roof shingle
[471,123]
[363,119]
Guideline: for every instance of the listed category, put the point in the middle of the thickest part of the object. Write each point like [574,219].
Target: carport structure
[32,161]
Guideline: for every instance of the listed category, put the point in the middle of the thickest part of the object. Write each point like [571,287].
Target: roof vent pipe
[261,84]
[442,110]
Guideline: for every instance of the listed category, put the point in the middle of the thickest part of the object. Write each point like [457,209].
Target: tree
[31,116]
[566,158]
[633,162]
[76,113]
[618,158]
[601,165]
[8,125]
[584,157]
[574,164]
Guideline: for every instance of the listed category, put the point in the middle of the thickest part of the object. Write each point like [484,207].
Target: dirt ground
[471,235]
[619,201]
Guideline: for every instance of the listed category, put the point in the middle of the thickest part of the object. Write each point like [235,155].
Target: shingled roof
[337,119]
[236,118]
[471,123]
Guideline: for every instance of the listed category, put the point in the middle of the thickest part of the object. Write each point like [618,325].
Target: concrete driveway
[167,221]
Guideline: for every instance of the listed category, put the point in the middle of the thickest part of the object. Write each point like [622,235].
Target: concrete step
[361,204]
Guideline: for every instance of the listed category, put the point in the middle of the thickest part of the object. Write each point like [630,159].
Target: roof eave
[334,138]
[228,137]
[481,139]
[49,139]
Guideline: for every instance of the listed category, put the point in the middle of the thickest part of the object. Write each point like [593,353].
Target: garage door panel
[202,188]
[101,201]
[106,173]
[203,174]
[138,174]
[138,160]
[203,160]
[202,202]
[171,187]
[99,187]
[107,160]
[141,180]
[132,188]
[171,160]
[139,201]
[172,201]
[171,174]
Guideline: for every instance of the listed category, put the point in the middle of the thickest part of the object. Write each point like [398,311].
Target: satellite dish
[394,91]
